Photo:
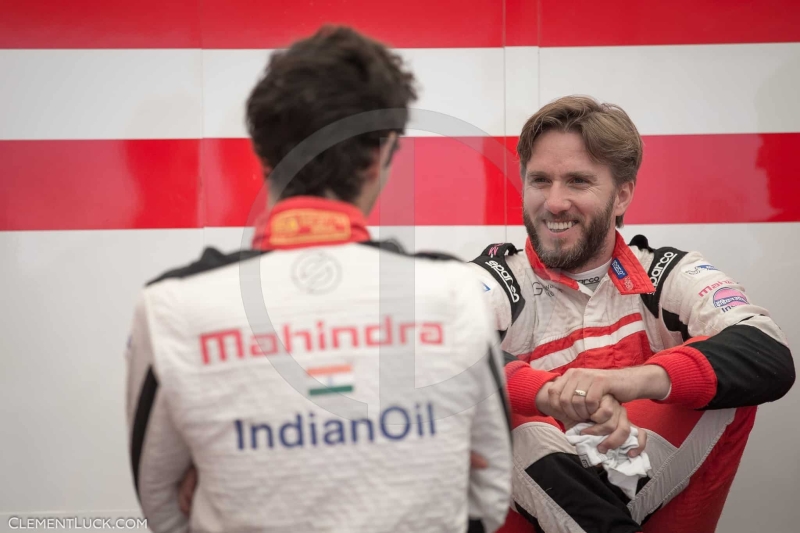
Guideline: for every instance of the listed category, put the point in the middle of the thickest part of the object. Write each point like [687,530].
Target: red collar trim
[303,221]
[544,272]
[625,272]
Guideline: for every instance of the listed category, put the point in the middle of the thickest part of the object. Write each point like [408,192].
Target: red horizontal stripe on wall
[58,185]
[244,23]
[689,179]
[522,22]
[408,24]
[637,22]
[434,181]
[718,178]
[100,24]
[61,185]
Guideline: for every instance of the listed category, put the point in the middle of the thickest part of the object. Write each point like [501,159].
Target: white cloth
[623,471]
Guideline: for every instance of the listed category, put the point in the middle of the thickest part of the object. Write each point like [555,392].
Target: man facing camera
[321,381]
[634,371]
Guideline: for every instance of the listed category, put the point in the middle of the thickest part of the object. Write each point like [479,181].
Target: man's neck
[602,257]
[361,203]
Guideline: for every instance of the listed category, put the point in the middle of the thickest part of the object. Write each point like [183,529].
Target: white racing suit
[319,383]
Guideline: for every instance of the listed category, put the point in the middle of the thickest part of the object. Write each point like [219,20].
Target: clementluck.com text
[42,523]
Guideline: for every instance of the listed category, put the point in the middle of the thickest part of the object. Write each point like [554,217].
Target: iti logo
[728,298]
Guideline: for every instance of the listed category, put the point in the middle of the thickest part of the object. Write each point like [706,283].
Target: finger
[183,501]
[618,437]
[186,491]
[566,401]
[609,423]
[608,408]
[642,443]
[554,401]
[595,394]
[579,401]
[477,461]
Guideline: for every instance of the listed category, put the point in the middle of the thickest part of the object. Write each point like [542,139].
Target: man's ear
[388,148]
[379,170]
[624,197]
[270,186]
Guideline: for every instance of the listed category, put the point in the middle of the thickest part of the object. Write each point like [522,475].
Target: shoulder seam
[493,261]
[664,261]
[211,259]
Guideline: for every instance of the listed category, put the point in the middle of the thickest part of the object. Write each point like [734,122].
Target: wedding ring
[579,392]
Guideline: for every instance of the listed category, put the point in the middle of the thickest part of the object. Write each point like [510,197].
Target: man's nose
[558,199]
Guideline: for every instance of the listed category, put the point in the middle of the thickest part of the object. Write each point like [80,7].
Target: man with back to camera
[353,402]
[593,323]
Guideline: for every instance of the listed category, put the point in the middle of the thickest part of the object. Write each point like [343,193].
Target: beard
[589,245]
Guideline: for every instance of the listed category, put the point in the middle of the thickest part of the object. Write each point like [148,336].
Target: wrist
[652,383]
[542,399]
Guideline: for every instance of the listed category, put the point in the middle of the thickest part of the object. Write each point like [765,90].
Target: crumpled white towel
[623,471]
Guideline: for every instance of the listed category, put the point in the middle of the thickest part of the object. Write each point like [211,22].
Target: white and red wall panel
[123,152]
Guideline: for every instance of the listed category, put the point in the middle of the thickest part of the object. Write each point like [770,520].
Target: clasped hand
[589,395]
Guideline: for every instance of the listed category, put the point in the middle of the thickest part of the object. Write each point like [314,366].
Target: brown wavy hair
[608,133]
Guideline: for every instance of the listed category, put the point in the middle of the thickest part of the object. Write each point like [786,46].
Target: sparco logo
[658,270]
[507,279]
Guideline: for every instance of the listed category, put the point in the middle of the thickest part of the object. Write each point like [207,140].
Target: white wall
[67,301]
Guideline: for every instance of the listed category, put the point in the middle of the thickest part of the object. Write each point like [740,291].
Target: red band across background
[411,24]
[192,183]
[189,183]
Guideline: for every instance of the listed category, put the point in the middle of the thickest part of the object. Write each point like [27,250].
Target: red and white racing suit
[724,356]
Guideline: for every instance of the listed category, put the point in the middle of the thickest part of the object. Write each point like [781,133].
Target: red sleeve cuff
[694,382]
[523,384]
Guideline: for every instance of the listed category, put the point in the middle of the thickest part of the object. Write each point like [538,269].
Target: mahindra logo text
[709,288]
[227,344]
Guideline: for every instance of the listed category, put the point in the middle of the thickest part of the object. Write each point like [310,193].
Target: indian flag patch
[330,379]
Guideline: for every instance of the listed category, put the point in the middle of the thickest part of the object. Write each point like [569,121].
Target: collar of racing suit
[303,221]
[625,272]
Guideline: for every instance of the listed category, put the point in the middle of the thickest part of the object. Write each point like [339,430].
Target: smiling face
[570,202]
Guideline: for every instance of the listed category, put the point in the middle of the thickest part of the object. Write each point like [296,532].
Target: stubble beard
[587,248]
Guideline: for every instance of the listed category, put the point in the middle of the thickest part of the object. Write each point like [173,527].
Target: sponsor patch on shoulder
[618,269]
[728,298]
[699,269]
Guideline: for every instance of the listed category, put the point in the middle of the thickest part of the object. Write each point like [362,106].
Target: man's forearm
[576,394]
[648,382]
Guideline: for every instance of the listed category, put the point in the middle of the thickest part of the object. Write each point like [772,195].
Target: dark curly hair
[332,75]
